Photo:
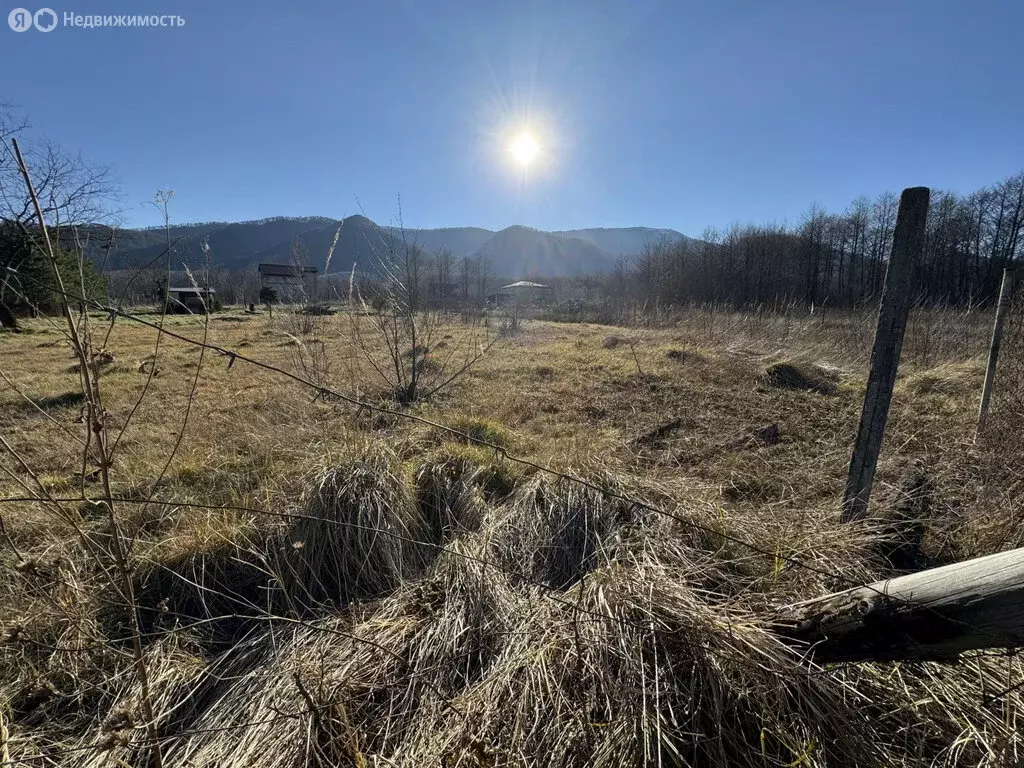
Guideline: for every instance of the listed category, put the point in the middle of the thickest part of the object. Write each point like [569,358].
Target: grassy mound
[496,477]
[361,533]
[558,531]
[613,342]
[449,496]
[637,662]
[562,625]
[798,375]
[478,429]
[951,380]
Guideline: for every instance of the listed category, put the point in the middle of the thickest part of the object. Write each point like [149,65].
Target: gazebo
[525,292]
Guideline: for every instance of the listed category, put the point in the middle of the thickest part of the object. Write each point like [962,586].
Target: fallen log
[931,615]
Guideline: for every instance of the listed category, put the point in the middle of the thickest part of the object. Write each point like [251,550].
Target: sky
[661,113]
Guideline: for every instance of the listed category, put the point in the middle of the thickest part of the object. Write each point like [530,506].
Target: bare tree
[71,191]
[402,341]
[443,264]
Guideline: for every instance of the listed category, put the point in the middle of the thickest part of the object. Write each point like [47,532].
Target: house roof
[523,284]
[285,270]
[192,289]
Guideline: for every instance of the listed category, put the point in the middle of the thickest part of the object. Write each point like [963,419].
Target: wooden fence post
[1002,308]
[908,242]
[930,615]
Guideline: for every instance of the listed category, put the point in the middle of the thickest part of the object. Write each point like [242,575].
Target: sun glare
[524,149]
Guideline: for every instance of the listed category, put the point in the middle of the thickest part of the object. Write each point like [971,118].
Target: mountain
[524,252]
[514,252]
[627,241]
[461,241]
[231,244]
[360,242]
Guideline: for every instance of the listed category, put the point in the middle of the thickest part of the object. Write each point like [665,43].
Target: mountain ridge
[517,251]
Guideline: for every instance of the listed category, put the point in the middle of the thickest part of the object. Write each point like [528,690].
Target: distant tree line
[438,281]
[838,259]
[825,258]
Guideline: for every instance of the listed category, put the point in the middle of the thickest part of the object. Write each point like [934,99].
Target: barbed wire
[501,451]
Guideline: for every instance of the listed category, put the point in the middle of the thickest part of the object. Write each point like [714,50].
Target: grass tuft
[63,400]
[558,531]
[612,342]
[794,374]
[361,533]
[478,429]
[449,495]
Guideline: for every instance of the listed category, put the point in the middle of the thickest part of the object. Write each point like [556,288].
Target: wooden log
[930,615]
[908,242]
[1002,309]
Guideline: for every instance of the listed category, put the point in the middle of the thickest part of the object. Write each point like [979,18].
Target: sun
[524,149]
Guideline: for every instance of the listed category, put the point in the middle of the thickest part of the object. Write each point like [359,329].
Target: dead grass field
[684,416]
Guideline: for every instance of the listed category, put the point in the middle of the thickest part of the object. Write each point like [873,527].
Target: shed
[192,298]
[289,280]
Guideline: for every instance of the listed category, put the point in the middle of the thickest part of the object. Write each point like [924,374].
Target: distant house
[288,281]
[191,299]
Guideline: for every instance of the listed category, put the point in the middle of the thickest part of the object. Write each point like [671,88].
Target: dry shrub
[361,533]
[794,374]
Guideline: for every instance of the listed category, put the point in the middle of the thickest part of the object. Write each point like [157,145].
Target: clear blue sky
[672,114]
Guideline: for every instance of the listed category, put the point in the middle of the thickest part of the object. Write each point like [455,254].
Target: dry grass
[370,591]
[794,374]
[362,534]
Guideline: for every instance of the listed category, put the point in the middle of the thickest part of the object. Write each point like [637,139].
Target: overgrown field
[322,584]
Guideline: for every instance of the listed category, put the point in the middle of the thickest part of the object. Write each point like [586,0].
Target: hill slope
[627,241]
[513,252]
[523,252]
